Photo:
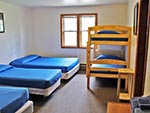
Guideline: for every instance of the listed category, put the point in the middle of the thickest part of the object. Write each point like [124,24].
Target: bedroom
[28,32]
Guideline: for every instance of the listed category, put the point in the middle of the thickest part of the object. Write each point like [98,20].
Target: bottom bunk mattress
[11,99]
[33,78]
[106,66]
[36,61]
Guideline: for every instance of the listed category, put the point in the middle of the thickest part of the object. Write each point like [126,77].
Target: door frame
[142,47]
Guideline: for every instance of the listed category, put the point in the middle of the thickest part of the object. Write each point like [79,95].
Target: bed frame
[70,73]
[26,108]
[45,92]
[94,40]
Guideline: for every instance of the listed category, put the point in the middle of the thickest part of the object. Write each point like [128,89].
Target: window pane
[84,39]
[70,38]
[1,25]
[87,21]
[70,23]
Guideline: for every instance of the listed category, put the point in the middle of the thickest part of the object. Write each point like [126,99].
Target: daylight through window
[74,29]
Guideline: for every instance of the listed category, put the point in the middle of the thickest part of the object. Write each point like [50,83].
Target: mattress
[36,61]
[109,32]
[108,39]
[106,66]
[23,77]
[103,56]
[11,99]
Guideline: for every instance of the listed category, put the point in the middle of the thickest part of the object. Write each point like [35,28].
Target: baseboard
[82,66]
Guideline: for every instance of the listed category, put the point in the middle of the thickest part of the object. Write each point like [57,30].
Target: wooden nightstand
[116,107]
[130,73]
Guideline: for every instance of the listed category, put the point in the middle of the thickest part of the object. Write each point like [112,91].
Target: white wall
[46,27]
[131,4]
[12,42]
[37,30]
[147,81]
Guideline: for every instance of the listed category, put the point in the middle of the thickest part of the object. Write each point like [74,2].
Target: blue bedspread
[11,99]
[102,56]
[23,77]
[35,61]
[106,66]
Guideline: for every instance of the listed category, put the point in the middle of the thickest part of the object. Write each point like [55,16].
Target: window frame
[79,38]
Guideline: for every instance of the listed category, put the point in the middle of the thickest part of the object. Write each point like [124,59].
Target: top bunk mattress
[108,39]
[32,78]
[108,33]
[36,61]
[11,99]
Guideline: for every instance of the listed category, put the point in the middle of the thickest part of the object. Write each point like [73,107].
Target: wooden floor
[73,96]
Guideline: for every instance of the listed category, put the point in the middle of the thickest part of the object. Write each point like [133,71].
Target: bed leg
[126,84]
[88,82]
[118,86]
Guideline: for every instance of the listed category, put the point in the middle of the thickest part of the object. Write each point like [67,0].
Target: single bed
[38,81]
[15,100]
[68,65]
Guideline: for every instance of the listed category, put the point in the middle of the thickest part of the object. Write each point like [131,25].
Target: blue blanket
[11,99]
[36,61]
[106,66]
[114,57]
[23,77]
[102,56]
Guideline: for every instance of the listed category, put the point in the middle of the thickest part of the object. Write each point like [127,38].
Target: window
[2,30]
[74,29]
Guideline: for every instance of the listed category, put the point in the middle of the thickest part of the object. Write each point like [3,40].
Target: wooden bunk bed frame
[124,33]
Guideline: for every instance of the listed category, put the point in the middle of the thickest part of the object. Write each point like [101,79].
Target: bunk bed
[68,65]
[105,65]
